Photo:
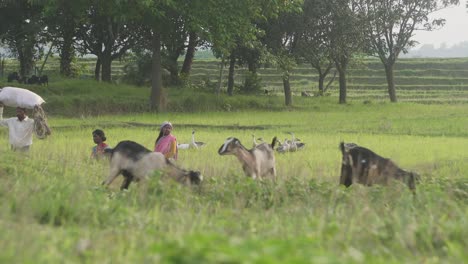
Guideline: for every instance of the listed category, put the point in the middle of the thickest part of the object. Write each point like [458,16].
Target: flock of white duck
[288,145]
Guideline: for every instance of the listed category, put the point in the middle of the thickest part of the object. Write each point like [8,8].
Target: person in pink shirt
[166,143]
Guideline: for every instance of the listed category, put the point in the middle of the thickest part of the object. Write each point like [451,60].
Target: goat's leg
[253,175]
[128,178]
[114,172]
[273,173]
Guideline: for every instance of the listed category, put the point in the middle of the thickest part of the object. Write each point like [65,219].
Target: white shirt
[20,132]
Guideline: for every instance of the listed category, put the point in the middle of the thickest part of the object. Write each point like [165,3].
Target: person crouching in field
[166,143]
[99,138]
[20,129]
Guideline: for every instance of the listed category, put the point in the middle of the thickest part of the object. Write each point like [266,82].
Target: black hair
[160,136]
[100,133]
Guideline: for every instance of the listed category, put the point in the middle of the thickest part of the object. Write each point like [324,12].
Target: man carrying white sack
[20,129]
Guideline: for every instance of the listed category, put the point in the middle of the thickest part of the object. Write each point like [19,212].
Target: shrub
[252,83]
[138,70]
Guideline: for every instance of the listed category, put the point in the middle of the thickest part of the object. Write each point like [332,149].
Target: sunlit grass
[54,209]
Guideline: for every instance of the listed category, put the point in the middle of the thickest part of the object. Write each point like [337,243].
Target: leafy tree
[220,22]
[153,20]
[246,53]
[232,65]
[63,18]
[390,25]
[281,38]
[180,36]
[173,43]
[345,34]
[108,32]
[22,30]
[280,43]
[314,45]
[193,42]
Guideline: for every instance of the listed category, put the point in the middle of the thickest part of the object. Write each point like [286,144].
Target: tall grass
[54,209]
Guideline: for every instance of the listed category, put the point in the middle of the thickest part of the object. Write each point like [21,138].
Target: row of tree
[325,33]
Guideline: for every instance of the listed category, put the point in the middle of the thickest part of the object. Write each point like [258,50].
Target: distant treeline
[459,50]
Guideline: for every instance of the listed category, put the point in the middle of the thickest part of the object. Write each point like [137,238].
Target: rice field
[54,209]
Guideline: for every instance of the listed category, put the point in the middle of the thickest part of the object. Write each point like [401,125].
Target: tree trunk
[232,64]
[67,51]
[2,66]
[220,77]
[169,62]
[25,57]
[287,90]
[156,100]
[173,69]
[45,59]
[252,66]
[341,64]
[342,76]
[390,81]
[26,63]
[189,55]
[106,64]
[97,70]
[322,74]
[66,56]
[321,81]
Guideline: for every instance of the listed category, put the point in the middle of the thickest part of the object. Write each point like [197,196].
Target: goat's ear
[342,148]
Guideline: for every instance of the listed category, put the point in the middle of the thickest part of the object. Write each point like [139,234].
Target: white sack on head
[14,97]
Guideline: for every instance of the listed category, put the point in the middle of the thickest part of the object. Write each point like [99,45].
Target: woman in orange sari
[166,143]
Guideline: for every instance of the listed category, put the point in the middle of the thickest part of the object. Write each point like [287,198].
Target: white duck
[196,144]
[290,145]
[192,145]
[295,143]
[254,140]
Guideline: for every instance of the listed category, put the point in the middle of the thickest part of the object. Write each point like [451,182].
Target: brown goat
[258,162]
[361,165]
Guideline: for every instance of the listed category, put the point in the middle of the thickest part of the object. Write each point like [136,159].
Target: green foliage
[427,81]
[252,83]
[138,70]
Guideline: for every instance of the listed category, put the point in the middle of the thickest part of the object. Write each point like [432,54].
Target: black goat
[33,80]
[44,80]
[13,76]
[361,165]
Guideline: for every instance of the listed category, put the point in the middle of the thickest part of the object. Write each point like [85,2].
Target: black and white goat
[136,163]
[362,165]
[258,162]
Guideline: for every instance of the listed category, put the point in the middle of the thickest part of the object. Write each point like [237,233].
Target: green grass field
[53,209]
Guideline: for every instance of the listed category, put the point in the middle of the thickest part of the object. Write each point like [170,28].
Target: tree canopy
[324,33]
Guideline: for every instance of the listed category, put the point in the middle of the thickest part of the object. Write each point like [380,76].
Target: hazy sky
[454,31]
